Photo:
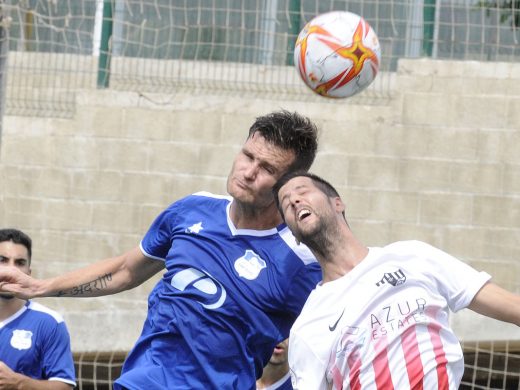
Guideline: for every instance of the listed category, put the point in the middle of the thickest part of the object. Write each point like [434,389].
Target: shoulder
[44,312]
[201,198]
[409,247]
[419,252]
[205,194]
[300,250]
[196,202]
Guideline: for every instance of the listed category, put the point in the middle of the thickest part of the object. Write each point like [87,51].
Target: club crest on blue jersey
[21,339]
[249,265]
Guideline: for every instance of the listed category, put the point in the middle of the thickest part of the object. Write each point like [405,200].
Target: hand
[17,283]
[8,378]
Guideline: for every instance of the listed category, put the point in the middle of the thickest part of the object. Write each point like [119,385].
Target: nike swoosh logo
[333,327]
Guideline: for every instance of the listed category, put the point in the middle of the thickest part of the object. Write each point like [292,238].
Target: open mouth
[302,214]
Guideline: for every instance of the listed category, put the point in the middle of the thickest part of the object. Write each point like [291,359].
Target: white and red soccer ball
[337,54]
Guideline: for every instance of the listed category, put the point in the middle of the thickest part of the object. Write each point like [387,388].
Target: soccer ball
[337,54]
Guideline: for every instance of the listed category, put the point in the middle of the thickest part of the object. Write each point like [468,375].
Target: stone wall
[439,161]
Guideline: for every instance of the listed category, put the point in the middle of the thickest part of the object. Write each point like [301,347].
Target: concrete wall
[439,162]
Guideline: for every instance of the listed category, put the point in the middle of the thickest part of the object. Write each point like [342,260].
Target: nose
[294,199]
[251,171]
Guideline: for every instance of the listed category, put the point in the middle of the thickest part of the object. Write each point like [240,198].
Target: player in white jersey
[234,279]
[379,318]
[34,341]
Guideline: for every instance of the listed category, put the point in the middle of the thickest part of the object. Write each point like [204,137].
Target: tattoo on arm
[86,288]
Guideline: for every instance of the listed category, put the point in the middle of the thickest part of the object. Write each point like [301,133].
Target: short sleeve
[56,354]
[458,282]
[158,240]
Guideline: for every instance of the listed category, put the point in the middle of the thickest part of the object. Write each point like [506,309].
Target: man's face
[280,353]
[14,255]
[305,207]
[255,170]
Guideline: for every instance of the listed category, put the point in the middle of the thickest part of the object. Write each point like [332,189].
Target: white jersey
[384,325]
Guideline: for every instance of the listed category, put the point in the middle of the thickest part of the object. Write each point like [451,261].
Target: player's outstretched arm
[495,302]
[108,276]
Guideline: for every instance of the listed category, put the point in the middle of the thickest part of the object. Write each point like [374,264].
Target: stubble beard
[278,361]
[320,239]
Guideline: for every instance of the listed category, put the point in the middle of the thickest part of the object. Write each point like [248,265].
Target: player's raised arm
[495,302]
[105,277]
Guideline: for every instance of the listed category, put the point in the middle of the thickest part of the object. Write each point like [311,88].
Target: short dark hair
[327,188]
[289,131]
[18,237]
[322,184]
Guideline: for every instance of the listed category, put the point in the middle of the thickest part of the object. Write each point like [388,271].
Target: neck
[272,374]
[10,306]
[246,216]
[341,253]
[333,270]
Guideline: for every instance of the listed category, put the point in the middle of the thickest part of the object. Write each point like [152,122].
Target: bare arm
[10,380]
[106,277]
[495,302]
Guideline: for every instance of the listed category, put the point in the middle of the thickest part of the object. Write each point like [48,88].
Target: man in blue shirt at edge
[34,341]
[235,277]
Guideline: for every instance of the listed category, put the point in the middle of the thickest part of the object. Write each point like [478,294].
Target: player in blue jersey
[34,342]
[277,374]
[234,277]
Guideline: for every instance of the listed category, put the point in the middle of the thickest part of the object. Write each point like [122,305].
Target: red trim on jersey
[354,364]
[337,377]
[412,356]
[440,356]
[381,367]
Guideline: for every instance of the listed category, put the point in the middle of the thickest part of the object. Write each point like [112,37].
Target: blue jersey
[285,385]
[228,296]
[282,384]
[35,342]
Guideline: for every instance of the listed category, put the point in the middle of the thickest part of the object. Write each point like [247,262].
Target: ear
[339,206]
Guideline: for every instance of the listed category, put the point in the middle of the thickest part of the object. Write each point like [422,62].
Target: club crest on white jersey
[393,278]
[249,265]
[22,339]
